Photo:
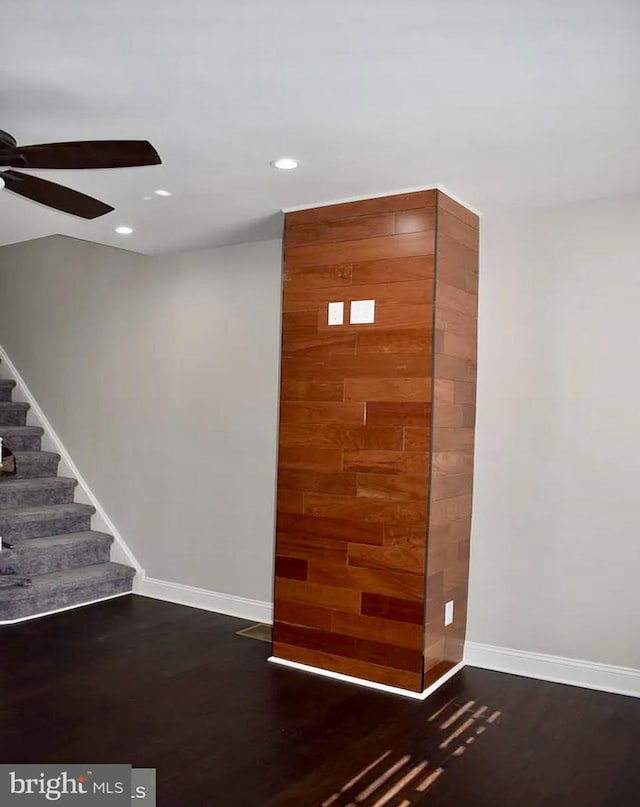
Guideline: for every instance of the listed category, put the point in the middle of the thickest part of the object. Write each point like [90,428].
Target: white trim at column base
[350,679]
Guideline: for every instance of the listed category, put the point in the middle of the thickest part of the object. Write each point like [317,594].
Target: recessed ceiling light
[124,230]
[285,163]
[146,198]
[160,192]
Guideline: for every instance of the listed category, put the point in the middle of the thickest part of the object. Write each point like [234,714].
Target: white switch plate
[362,311]
[336,314]
[448,613]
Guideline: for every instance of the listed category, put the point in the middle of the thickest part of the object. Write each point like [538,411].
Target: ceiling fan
[72,155]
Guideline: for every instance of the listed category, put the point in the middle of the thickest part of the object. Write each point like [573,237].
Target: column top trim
[381,194]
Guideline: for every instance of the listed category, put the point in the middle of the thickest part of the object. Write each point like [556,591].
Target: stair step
[22,438]
[44,490]
[6,388]
[13,413]
[54,553]
[22,523]
[62,589]
[33,465]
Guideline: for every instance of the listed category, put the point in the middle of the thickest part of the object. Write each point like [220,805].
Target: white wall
[161,378]
[556,527]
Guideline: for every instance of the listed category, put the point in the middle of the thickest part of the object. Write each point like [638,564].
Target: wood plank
[464,392]
[319,345]
[291,568]
[387,631]
[410,291]
[290,501]
[365,461]
[456,275]
[389,246]
[405,535]
[455,369]
[444,510]
[462,346]
[326,550]
[399,414]
[368,510]
[378,581]
[412,341]
[302,591]
[336,529]
[310,458]
[444,390]
[367,650]
[451,297]
[451,415]
[400,487]
[350,229]
[452,439]
[451,320]
[362,207]
[317,277]
[414,221]
[396,608]
[453,462]
[297,614]
[300,390]
[292,412]
[342,436]
[341,367]
[300,323]
[455,228]
[417,439]
[453,251]
[293,479]
[450,485]
[400,558]
[387,389]
[448,204]
[359,669]
[393,270]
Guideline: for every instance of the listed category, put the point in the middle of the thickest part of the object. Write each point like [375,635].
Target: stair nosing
[46,509]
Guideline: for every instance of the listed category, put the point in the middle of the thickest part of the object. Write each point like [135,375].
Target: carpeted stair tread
[16,492]
[33,465]
[6,388]
[44,511]
[57,552]
[65,588]
[36,521]
[21,438]
[14,413]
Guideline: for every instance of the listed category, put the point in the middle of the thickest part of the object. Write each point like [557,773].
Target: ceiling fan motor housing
[6,142]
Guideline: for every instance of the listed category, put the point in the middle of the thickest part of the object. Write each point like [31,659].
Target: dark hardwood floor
[156,685]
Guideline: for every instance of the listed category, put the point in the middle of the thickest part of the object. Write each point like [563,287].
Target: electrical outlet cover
[336,314]
[362,311]
[448,612]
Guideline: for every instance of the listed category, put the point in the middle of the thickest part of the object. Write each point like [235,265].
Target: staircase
[54,545]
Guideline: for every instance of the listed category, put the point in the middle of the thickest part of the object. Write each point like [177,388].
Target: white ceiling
[505,103]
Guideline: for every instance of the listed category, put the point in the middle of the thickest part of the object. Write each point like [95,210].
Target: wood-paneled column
[373,525]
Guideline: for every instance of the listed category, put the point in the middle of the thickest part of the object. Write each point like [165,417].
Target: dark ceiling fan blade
[52,195]
[82,154]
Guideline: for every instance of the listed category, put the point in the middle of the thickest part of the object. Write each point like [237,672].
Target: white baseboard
[120,551]
[362,682]
[253,610]
[587,674]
